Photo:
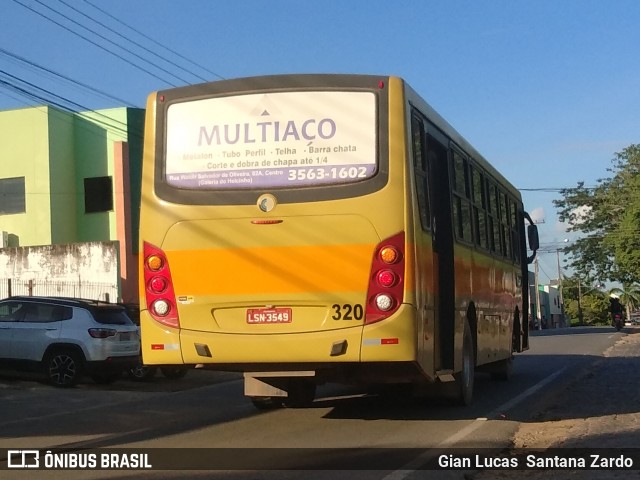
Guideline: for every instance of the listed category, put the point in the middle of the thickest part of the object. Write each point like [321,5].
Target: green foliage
[595,309]
[608,217]
[594,303]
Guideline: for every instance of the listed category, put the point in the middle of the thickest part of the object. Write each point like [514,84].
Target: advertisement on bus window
[271,140]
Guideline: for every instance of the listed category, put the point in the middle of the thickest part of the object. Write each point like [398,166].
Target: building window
[98,194]
[12,196]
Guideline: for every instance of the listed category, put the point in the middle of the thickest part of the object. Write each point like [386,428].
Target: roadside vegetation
[607,218]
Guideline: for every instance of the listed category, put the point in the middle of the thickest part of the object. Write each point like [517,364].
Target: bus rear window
[271,140]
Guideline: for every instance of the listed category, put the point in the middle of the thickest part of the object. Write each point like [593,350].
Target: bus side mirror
[534,240]
[532,234]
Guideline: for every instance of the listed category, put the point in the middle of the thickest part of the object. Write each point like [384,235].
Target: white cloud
[537,215]
[580,215]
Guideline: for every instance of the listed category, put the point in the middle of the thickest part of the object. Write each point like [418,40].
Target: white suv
[66,338]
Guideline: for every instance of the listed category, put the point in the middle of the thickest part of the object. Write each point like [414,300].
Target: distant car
[66,338]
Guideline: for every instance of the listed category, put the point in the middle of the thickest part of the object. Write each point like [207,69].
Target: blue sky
[547,90]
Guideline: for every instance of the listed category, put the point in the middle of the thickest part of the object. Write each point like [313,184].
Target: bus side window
[513,224]
[461,198]
[479,208]
[505,236]
[494,218]
[421,169]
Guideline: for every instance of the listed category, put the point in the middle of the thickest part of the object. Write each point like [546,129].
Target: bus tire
[502,370]
[301,393]
[266,403]
[465,378]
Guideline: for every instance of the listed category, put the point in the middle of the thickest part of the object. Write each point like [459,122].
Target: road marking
[415,464]
[528,392]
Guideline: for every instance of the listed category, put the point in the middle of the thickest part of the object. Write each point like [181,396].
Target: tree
[592,301]
[608,216]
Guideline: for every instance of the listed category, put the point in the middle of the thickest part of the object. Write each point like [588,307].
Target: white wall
[86,270]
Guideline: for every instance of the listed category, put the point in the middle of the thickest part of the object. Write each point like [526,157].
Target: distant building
[554,306]
[72,178]
[549,311]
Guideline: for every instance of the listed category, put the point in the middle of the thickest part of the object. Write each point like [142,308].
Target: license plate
[269,315]
[125,336]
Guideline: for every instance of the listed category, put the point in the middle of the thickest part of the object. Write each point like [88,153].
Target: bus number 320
[347,312]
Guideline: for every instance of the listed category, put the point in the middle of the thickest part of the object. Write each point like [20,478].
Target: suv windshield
[111,316]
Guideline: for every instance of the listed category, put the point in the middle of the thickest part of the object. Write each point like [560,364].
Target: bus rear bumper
[391,340]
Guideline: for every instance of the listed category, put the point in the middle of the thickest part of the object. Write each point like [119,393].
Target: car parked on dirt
[67,338]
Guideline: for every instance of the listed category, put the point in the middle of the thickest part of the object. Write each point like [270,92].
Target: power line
[59,111]
[31,94]
[164,47]
[91,41]
[32,91]
[126,39]
[543,271]
[112,43]
[553,189]
[64,77]
[60,76]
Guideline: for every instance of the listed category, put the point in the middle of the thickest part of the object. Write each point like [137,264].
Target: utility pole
[538,313]
[580,316]
[562,318]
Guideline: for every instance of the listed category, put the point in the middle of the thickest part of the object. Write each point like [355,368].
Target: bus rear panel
[281,237]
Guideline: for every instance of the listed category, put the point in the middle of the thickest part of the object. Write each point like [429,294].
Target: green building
[72,178]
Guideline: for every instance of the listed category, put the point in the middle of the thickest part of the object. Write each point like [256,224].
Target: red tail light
[159,294]
[102,332]
[386,282]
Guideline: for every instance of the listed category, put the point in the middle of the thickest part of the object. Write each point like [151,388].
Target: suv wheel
[64,368]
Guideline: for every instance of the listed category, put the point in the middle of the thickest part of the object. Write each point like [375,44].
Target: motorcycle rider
[615,308]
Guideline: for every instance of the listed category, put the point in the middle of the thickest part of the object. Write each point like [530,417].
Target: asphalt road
[208,410]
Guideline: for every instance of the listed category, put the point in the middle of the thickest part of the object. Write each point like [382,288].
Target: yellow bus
[305,229]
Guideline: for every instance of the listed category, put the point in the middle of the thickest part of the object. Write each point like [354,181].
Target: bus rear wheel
[463,390]
[502,370]
[266,403]
[301,393]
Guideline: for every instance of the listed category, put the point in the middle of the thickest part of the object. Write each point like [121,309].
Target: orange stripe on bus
[256,270]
